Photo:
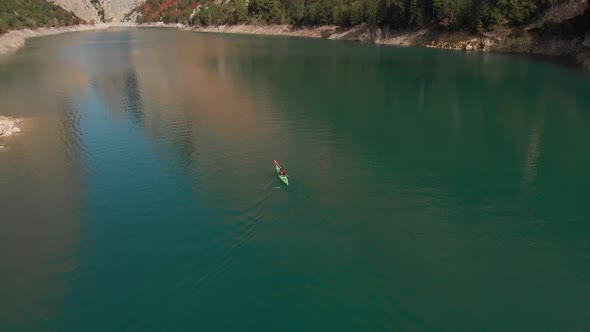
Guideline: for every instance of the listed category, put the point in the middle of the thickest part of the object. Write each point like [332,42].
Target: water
[430,190]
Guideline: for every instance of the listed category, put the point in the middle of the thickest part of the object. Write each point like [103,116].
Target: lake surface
[429,190]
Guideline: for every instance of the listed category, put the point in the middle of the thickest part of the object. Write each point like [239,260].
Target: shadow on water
[40,197]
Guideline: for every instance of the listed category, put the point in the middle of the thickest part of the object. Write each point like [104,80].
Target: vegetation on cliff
[477,15]
[19,14]
[167,11]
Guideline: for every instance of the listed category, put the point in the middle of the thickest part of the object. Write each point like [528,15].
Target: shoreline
[14,40]
[507,41]
[504,42]
[524,44]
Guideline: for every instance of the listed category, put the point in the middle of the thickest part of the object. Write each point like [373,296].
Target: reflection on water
[40,200]
[430,189]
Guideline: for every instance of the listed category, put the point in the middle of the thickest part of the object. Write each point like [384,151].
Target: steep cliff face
[564,30]
[561,13]
[84,9]
[99,10]
[116,10]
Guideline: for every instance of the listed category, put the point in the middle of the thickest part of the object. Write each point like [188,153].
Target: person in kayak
[282,172]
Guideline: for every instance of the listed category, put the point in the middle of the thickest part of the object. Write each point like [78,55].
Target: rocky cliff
[563,30]
[115,10]
[561,13]
[99,10]
[84,9]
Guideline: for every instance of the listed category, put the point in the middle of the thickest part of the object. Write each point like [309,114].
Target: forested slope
[19,14]
[474,15]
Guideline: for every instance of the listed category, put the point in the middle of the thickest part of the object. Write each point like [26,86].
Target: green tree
[370,14]
[295,11]
[445,12]
[241,11]
[477,15]
[266,10]
[227,14]
[341,15]
[356,13]
[31,23]
[210,15]
[276,13]
[3,26]
[414,14]
[17,24]
[479,27]
[517,11]
[18,14]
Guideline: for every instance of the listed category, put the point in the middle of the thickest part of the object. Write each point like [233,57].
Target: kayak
[285,178]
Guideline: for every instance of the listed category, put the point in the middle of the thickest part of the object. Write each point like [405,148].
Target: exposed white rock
[193,13]
[115,10]
[487,44]
[82,8]
[8,126]
[132,18]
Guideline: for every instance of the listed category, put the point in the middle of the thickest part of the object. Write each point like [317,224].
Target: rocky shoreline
[14,40]
[8,126]
[506,41]
[502,42]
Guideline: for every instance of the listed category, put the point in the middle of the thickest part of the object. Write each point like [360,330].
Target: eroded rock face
[112,11]
[586,42]
[115,10]
[474,44]
[8,126]
[561,13]
[82,8]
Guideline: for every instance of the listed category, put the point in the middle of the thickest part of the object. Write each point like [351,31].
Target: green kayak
[283,178]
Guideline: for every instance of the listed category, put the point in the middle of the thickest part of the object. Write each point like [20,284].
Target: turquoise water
[429,190]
